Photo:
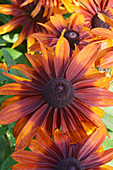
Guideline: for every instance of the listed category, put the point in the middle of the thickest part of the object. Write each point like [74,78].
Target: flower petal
[19,109]
[93,142]
[20,124]
[29,130]
[95,96]
[103,32]
[27,29]
[14,23]
[85,113]
[46,141]
[17,89]
[98,159]
[106,19]
[11,9]
[58,22]
[62,141]
[82,62]
[47,61]
[62,55]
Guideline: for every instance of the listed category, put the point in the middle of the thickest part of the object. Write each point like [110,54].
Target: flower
[91,9]
[59,154]
[27,16]
[75,33]
[57,93]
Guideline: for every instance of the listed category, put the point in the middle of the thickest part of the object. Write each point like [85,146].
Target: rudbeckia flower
[75,32]
[59,154]
[91,8]
[57,93]
[27,16]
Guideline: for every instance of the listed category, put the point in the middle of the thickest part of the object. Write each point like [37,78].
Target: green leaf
[2,130]
[11,38]
[8,163]
[4,18]
[11,138]
[108,121]
[8,58]
[3,145]
[2,41]
[108,143]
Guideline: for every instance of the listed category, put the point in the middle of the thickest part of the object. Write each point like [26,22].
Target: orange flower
[59,154]
[75,33]
[57,93]
[91,8]
[27,16]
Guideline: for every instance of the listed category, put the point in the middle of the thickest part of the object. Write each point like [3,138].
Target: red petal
[19,109]
[29,129]
[96,97]
[92,144]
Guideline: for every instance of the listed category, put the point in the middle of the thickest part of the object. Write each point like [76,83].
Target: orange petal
[106,19]
[47,61]
[11,9]
[62,55]
[24,33]
[70,7]
[19,109]
[82,62]
[14,23]
[29,130]
[93,142]
[103,32]
[37,9]
[58,22]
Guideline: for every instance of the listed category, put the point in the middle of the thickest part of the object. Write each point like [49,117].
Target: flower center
[97,22]
[58,92]
[70,164]
[72,37]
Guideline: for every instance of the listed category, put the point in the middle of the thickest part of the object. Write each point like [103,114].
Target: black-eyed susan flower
[57,93]
[91,9]
[27,15]
[75,32]
[59,154]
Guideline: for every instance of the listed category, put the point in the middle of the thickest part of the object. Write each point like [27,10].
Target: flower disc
[72,37]
[97,22]
[58,92]
[70,164]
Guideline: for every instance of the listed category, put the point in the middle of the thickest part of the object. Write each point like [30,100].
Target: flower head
[75,32]
[26,15]
[59,154]
[91,9]
[57,93]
